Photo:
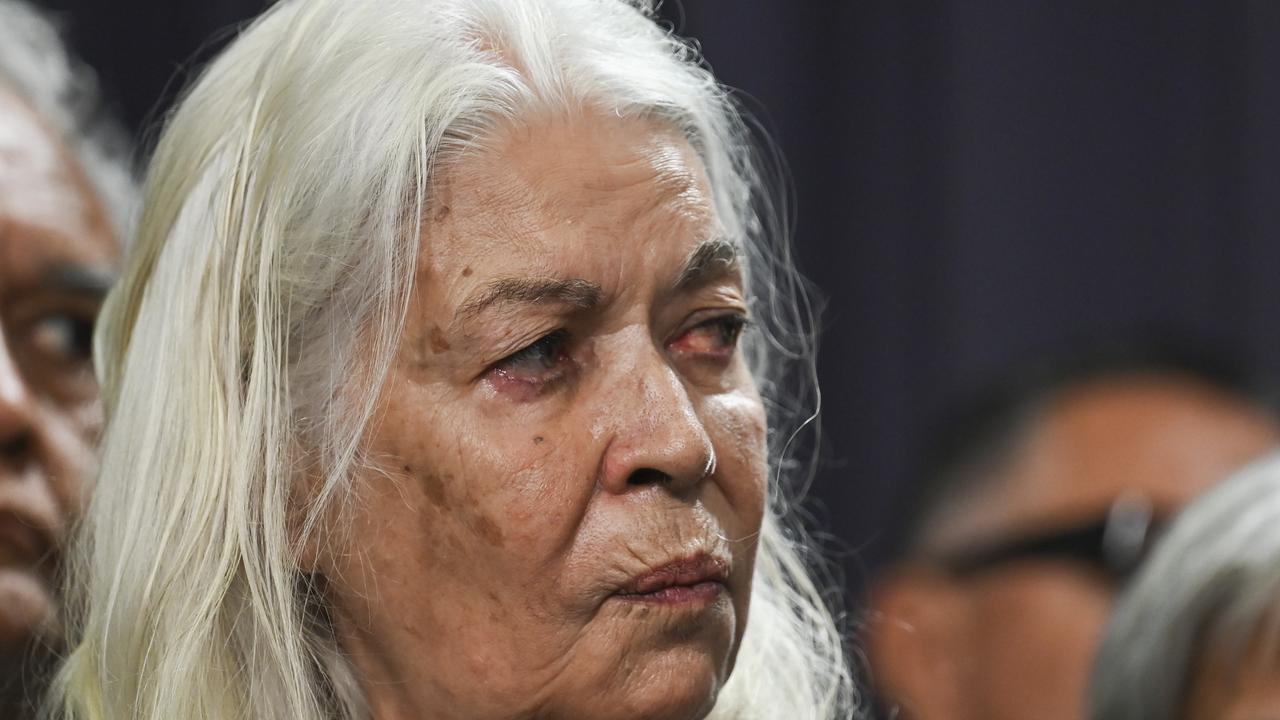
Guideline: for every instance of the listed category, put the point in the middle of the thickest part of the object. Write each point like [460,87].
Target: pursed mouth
[698,578]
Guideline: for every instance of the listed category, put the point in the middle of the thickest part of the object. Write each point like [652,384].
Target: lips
[701,577]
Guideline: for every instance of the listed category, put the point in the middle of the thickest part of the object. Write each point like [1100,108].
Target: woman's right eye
[538,363]
[63,338]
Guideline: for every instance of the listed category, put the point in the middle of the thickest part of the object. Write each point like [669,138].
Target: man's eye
[717,337]
[537,362]
[62,338]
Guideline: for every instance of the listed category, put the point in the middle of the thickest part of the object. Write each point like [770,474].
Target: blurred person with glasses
[65,193]
[1196,635]
[1041,501]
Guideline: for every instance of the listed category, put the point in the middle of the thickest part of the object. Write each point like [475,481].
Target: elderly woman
[436,388]
[1197,637]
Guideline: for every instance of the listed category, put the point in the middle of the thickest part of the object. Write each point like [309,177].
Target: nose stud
[709,468]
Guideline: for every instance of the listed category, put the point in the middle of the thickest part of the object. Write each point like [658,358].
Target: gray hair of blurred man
[35,63]
[1212,583]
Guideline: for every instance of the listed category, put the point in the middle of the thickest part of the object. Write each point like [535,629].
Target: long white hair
[1211,585]
[262,303]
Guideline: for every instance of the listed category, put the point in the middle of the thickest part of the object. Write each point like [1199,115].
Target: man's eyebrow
[711,259]
[577,292]
[90,281]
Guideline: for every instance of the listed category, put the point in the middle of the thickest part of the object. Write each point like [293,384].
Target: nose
[658,437]
[17,425]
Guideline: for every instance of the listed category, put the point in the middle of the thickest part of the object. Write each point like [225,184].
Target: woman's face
[570,449]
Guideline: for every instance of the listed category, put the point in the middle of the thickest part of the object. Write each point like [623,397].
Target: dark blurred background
[978,184]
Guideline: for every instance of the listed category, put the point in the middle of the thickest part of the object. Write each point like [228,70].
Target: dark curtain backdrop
[977,183]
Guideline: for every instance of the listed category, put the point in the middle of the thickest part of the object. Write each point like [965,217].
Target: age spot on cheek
[487,529]
[476,520]
[438,342]
[433,486]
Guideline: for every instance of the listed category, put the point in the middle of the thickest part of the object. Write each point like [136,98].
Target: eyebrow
[710,260]
[579,293]
[91,282]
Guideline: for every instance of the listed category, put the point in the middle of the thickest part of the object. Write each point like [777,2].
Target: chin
[673,681]
[26,608]
[652,663]
[682,685]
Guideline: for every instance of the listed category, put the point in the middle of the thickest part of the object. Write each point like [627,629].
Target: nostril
[648,476]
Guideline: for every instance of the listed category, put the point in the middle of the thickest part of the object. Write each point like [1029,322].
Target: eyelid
[43,303]
[509,343]
[554,339]
[702,317]
[534,369]
[507,364]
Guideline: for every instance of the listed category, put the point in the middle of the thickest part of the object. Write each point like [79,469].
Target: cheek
[70,438]
[736,423]
[535,478]
[485,511]
[502,490]
[1021,611]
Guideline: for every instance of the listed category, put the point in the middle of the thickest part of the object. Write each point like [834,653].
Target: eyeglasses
[1115,544]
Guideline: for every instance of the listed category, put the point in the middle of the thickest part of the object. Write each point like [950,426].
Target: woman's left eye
[537,362]
[716,337]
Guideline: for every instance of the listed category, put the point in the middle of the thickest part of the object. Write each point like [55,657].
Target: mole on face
[442,213]
[466,272]
[537,440]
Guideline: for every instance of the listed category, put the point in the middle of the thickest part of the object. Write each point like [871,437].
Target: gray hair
[64,92]
[1211,583]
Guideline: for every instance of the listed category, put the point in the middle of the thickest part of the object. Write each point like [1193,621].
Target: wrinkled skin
[56,256]
[540,451]
[1018,640]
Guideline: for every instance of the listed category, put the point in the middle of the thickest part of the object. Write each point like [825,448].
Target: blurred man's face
[56,255]
[1015,637]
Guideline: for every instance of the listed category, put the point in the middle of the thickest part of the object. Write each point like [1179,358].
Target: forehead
[1166,437]
[567,194]
[48,215]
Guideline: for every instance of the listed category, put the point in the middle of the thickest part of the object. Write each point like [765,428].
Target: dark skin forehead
[53,229]
[1165,436]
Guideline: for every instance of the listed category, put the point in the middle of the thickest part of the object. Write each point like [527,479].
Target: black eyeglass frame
[1115,543]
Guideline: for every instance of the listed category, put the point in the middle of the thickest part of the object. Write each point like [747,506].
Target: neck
[386,696]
